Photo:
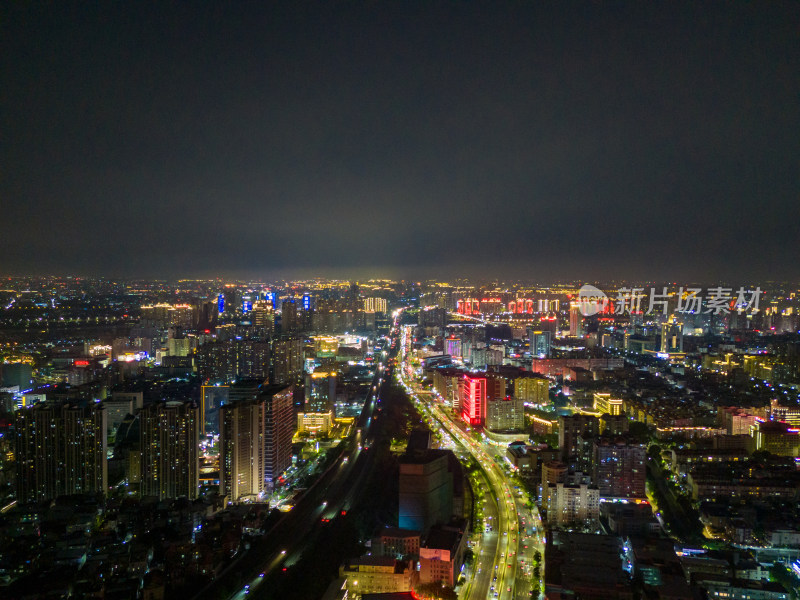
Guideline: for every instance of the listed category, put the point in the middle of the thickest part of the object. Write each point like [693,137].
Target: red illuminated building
[473,399]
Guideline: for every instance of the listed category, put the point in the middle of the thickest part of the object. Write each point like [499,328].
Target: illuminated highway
[507,573]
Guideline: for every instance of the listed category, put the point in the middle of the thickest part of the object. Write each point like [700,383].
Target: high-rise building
[287,360]
[169,444]
[225,361]
[426,491]
[452,346]
[280,423]
[619,468]
[116,410]
[60,449]
[375,305]
[320,391]
[540,342]
[572,503]
[505,414]
[576,435]
[553,472]
[472,390]
[575,320]
[672,336]
[242,444]
[263,317]
[290,321]
[212,397]
[531,388]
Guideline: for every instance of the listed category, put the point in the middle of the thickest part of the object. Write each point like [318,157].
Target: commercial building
[378,575]
[672,336]
[540,342]
[777,437]
[60,449]
[606,405]
[314,423]
[472,390]
[584,565]
[169,448]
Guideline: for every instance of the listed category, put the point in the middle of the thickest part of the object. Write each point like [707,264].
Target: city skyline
[406,140]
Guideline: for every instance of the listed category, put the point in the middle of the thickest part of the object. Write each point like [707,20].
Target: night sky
[530,139]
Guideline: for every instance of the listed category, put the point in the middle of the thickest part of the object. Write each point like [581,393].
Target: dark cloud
[536,139]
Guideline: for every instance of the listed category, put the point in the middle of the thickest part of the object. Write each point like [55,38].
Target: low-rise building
[378,574]
[441,556]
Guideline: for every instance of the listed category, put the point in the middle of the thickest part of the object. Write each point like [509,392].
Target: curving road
[506,572]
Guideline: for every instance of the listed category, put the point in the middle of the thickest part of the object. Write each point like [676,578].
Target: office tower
[575,320]
[619,468]
[60,449]
[242,444]
[263,318]
[290,322]
[672,336]
[472,390]
[280,422]
[576,435]
[287,360]
[169,444]
[504,414]
[426,491]
[320,392]
[540,342]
